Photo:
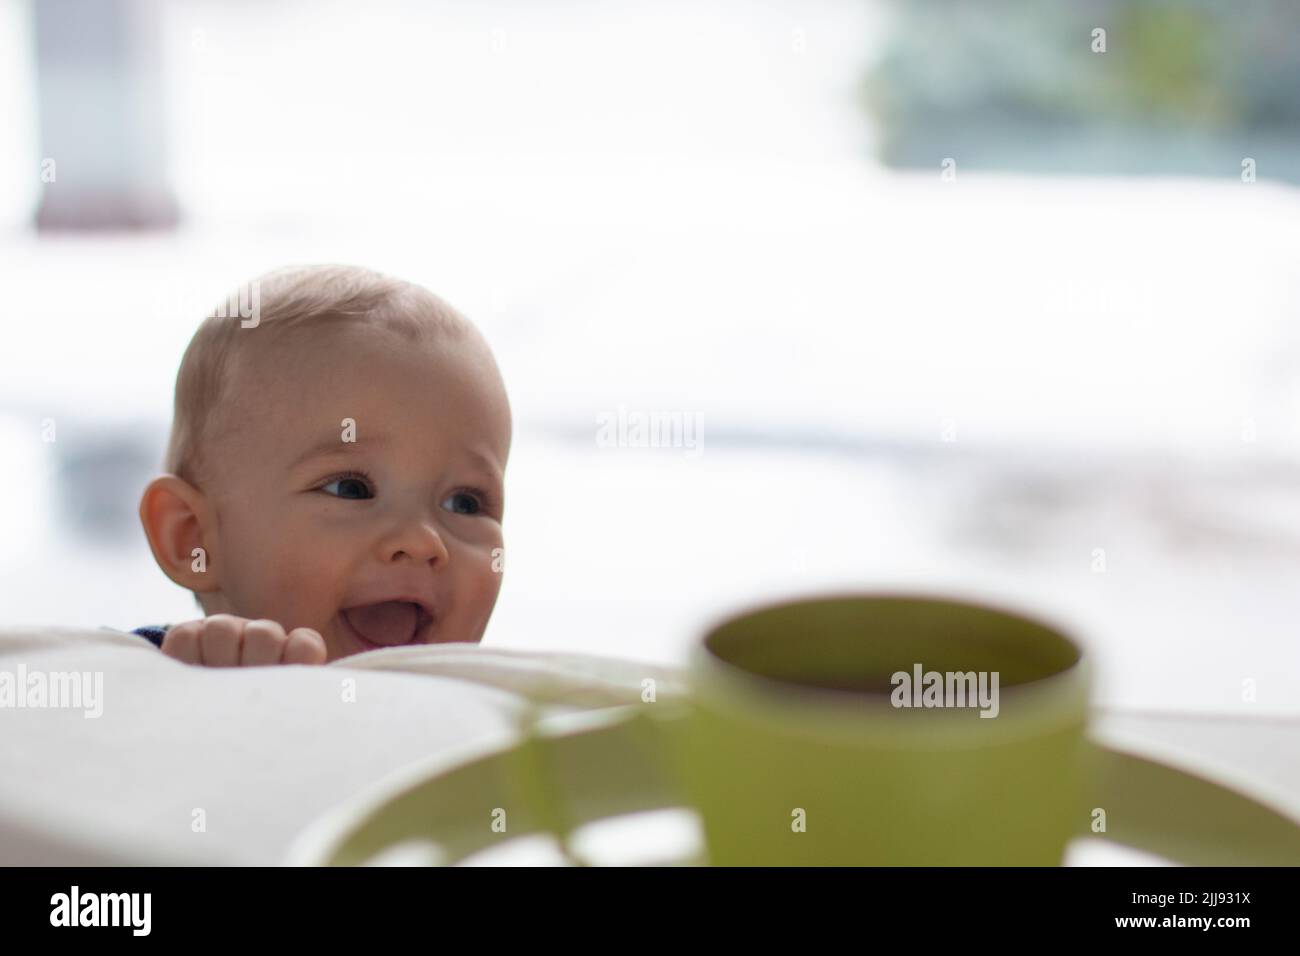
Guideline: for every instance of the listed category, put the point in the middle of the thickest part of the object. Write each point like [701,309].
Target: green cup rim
[1038,706]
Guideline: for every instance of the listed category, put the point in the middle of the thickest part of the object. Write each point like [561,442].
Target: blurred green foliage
[1191,68]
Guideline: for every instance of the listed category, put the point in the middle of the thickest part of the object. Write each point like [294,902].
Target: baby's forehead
[286,395]
[346,358]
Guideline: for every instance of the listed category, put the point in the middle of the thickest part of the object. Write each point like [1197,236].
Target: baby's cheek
[487,559]
[300,586]
[483,582]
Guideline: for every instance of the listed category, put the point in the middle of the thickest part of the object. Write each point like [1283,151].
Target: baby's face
[389,539]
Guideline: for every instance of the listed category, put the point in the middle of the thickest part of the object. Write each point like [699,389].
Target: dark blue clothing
[154,634]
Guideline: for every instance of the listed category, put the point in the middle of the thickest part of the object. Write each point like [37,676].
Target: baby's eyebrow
[484,462]
[335,445]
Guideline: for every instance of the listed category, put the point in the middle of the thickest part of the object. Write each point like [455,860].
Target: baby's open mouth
[387,623]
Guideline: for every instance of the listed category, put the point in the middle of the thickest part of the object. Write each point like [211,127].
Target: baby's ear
[175,517]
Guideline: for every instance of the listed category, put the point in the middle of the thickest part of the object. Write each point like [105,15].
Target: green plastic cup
[859,729]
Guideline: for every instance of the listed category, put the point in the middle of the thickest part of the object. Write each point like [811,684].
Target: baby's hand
[224,640]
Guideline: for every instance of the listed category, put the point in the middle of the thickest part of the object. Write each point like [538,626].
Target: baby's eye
[464,503]
[349,486]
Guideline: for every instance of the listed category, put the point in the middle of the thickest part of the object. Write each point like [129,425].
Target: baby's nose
[417,541]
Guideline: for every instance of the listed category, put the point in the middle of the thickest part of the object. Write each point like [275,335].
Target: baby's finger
[182,642]
[304,646]
[263,643]
[220,639]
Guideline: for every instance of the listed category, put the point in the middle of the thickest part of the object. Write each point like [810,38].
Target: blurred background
[994,298]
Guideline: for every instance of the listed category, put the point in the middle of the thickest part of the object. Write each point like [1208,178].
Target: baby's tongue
[389,622]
